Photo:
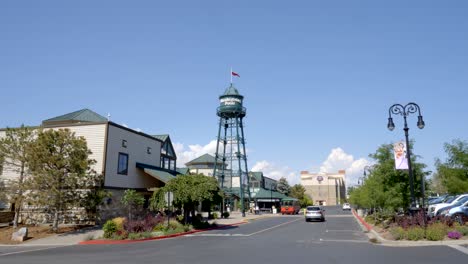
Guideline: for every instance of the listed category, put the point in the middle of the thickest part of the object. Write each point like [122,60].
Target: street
[279,239]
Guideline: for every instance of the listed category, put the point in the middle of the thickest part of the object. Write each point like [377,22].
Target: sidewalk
[74,238]
[374,235]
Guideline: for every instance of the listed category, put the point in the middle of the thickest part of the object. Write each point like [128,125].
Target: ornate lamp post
[410,108]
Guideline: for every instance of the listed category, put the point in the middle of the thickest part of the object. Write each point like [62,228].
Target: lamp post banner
[401,157]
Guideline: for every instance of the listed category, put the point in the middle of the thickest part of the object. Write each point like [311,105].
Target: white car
[434,208]
[346,206]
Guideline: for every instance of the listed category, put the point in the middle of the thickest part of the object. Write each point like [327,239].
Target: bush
[436,232]
[215,215]
[143,235]
[109,229]
[454,235]
[398,233]
[462,229]
[226,215]
[415,233]
[119,222]
[144,225]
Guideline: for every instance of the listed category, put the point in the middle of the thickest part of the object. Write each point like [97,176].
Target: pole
[410,170]
[240,169]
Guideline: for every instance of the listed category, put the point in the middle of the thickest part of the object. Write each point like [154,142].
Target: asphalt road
[282,239]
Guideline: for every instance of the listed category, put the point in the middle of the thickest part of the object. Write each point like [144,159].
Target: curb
[372,234]
[115,242]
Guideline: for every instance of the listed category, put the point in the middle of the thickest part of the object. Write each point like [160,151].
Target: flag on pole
[235,74]
[400,153]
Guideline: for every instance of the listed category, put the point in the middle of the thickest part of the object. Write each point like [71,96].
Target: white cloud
[194,151]
[274,171]
[340,160]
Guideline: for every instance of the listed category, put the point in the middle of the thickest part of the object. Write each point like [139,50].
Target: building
[202,165]
[325,188]
[128,159]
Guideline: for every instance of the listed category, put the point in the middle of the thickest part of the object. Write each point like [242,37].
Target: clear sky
[318,76]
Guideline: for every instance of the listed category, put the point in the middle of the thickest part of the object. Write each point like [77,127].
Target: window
[124,143]
[123,164]
[148,150]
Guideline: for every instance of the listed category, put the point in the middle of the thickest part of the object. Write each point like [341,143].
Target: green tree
[133,201]
[188,192]
[298,191]
[94,197]
[61,171]
[283,186]
[385,187]
[13,152]
[453,173]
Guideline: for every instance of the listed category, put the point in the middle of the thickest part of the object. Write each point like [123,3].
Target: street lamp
[410,108]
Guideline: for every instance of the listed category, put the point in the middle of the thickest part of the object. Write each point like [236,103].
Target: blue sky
[318,76]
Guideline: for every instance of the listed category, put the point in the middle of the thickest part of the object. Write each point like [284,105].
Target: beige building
[325,188]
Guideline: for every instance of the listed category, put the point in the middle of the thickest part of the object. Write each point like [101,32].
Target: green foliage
[61,171]
[398,233]
[94,196]
[14,148]
[142,235]
[415,233]
[436,232]
[462,229]
[109,228]
[453,173]
[215,215]
[226,214]
[283,186]
[298,191]
[386,187]
[133,200]
[188,191]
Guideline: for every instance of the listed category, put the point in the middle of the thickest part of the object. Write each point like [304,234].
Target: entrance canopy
[155,172]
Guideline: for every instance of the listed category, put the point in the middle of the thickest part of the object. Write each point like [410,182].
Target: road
[279,239]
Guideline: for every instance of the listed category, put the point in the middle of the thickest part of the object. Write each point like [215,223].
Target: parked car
[459,214]
[346,206]
[444,210]
[314,213]
[434,208]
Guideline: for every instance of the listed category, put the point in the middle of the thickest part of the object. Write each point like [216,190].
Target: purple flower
[454,235]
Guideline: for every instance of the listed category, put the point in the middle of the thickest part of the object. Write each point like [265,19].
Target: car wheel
[459,218]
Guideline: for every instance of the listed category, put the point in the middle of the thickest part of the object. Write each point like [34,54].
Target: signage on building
[319,178]
[231,101]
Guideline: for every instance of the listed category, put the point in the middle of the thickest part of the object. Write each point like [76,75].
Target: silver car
[314,213]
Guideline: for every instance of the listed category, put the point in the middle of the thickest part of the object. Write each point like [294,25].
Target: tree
[283,186]
[13,152]
[94,197]
[453,173]
[298,191]
[385,187]
[132,200]
[188,192]
[61,171]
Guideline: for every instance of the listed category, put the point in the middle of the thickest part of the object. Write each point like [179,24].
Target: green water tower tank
[231,104]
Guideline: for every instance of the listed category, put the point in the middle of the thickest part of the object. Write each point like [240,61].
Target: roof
[83,115]
[155,172]
[161,137]
[203,159]
[264,193]
[231,90]
[257,175]
[183,171]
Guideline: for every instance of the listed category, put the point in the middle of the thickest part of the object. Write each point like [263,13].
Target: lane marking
[32,250]
[273,227]
[460,248]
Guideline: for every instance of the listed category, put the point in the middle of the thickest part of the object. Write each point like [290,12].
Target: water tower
[231,168]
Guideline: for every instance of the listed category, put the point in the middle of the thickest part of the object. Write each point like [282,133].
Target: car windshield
[313,208]
[449,199]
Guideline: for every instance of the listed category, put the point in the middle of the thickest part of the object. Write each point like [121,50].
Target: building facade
[325,188]
[127,159]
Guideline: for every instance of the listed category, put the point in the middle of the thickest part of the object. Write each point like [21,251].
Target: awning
[160,175]
[156,172]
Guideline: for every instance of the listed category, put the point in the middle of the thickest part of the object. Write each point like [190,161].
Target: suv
[346,206]
[314,213]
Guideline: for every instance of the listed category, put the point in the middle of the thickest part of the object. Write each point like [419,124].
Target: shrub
[109,229]
[215,215]
[142,235]
[398,233]
[119,222]
[226,215]
[160,227]
[175,225]
[144,225]
[436,232]
[415,233]
[462,229]
[454,235]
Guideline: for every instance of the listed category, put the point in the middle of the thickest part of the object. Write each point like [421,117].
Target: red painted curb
[368,227]
[114,242]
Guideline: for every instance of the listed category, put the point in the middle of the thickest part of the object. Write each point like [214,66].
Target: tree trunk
[15,220]
[55,224]
[19,200]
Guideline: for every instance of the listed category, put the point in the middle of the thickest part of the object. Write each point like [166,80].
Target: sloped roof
[264,193]
[231,90]
[257,175]
[161,137]
[203,159]
[183,171]
[83,115]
